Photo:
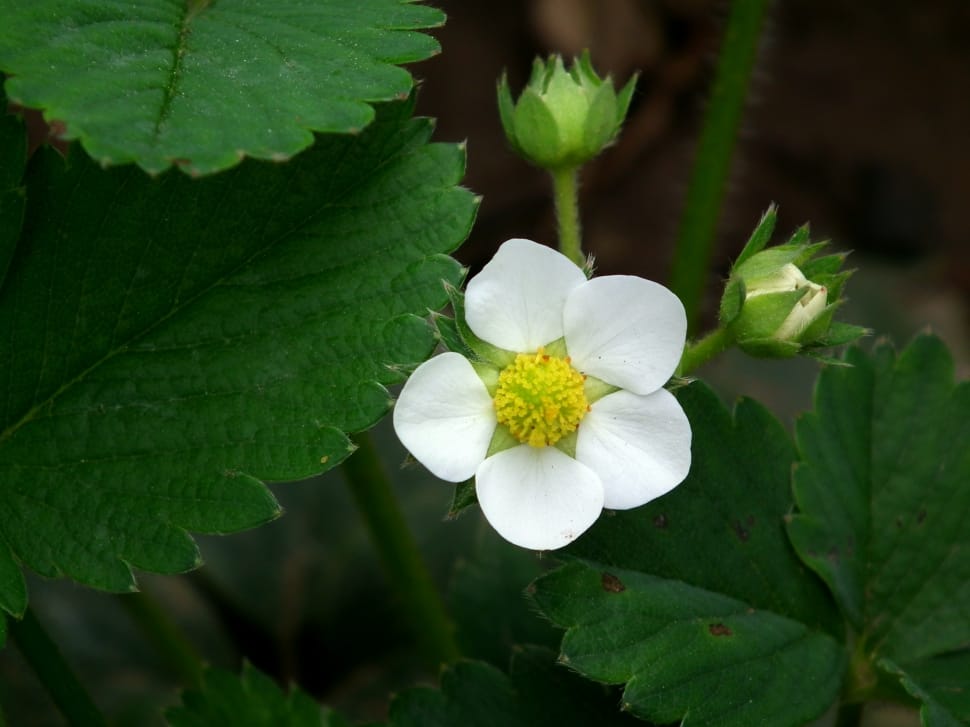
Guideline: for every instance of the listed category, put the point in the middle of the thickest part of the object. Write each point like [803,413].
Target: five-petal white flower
[626,448]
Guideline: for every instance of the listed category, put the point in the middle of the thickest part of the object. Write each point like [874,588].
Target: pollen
[540,398]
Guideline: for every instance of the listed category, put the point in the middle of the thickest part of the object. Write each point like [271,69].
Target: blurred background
[858,122]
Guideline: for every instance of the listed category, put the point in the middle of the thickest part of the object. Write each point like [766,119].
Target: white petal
[445,417]
[538,498]
[516,301]
[628,331]
[638,445]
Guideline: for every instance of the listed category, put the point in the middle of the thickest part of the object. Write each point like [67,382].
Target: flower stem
[714,150]
[702,351]
[565,187]
[403,565]
[169,642]
[43,656]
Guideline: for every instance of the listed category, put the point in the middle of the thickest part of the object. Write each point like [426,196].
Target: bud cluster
[780,301]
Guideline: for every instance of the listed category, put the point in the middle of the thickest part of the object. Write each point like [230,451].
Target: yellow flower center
[540,398]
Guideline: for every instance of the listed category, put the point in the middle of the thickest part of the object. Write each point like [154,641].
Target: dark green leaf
[488,604]
[689,655]
[170,343]
[538,693]
[942,684]
[13,156]
[883,498]
[722,529]
[251,699]
[728,628]
[200,84]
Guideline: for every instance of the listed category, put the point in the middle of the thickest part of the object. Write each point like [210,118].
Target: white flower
[578,421]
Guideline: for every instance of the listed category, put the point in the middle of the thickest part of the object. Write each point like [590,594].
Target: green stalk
[43,656]
[565,188]
[714,150]
[168,641]
[398,551]
[702,351]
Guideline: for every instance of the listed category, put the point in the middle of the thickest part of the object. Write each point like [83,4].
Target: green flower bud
[563,118]
[780,301]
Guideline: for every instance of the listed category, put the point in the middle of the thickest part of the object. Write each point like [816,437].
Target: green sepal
[840,334]
[623,99]
[765,264]
[506,112]
[463,497]
[759,238]
[600,126]
[488,374]
[732,301]
[770,348]
[446,331]
[834,283]
[815,269]
[762,315]
[806,252]
[536,130]
[800,236]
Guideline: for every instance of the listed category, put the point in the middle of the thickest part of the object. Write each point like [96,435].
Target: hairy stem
[700,352]
[565,187]
[398,551]
[714,150]
[43,656]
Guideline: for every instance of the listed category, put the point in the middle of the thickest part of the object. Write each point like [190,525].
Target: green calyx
[563,118]
[780,301]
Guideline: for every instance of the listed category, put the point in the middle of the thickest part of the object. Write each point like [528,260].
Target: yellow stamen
[540,398]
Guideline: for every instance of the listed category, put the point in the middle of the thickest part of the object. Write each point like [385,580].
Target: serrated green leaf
[201,84]
[726,604]
[722,529]
[537,693]
[251,699]
[882,497]
[169,341]
[688,655]
[942,684]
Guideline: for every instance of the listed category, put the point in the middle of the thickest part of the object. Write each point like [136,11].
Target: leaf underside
[696,601]
[201,84]
[169,343]
[883,500]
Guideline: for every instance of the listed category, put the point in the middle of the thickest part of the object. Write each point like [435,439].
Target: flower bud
[780,301]
[563,118]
